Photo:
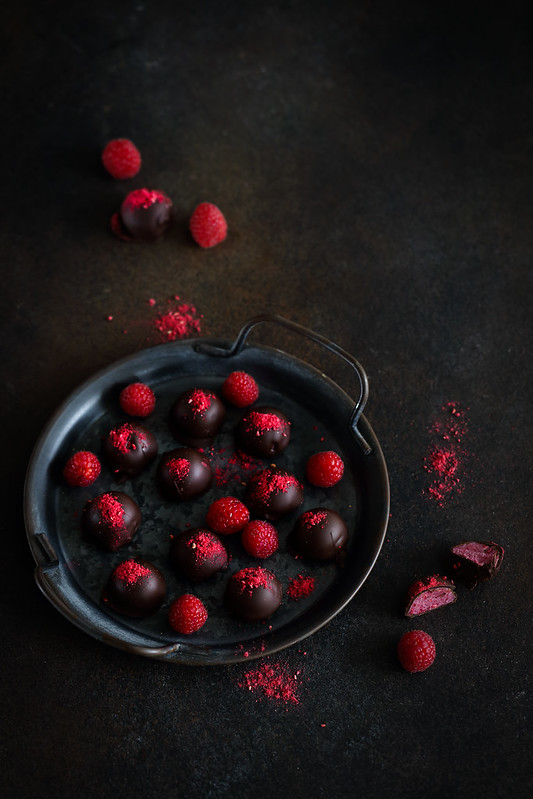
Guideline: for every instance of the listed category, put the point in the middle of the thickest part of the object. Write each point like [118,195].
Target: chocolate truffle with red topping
[272,493]
[129,449]
[263,432]
[184,473]
[111,520]
[196,417]
[253,593]
[146,214]
[319,534]
[198,554]
[135,588]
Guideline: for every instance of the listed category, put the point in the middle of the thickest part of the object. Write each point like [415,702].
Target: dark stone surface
[374,163]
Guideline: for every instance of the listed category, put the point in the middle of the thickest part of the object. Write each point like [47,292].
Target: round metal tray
[71,572]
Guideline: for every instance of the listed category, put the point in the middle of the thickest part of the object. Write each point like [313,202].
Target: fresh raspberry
[137,399]
[187,614]
[82,469]
[240,389]
[324,469]
[260,539]
[416,651]
[121,158]
[227,515]
[207,225]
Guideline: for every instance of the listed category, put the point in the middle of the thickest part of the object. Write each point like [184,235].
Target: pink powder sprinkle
[121,438]
[178,468]
[143,198]
[229,466]
[111,512]
[447,455]
[273,681]
[130,572]
[200,400]
[178,322]
[300,587]
[313,518]
[252,577]
[262,422]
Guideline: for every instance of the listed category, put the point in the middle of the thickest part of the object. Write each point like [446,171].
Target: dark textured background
[374,161]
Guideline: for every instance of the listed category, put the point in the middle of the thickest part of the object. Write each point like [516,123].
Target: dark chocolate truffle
[253,593]
[146,214]
[320,534]
[129,449]
[272,493]
[111,520]
[198,554]
[196,417]
[184,473]
[135,588]
[263,432]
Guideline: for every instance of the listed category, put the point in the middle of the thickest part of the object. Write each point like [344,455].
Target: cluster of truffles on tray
[110,520]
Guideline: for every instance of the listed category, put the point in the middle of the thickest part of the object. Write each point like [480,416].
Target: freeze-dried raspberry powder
[447,454]
[300,587]
[273,681]
[178,468]
[200,401]
[111,512]
[130,572]
[234,467]
[178,322]
[259,422]
[121,437]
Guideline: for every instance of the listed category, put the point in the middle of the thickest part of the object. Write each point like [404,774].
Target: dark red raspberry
[187,614]
[137,399]
[416,651]
[324,469]
[227,515]
[207,225]
[121,158]
[240,389]
[260,539]
[82,469]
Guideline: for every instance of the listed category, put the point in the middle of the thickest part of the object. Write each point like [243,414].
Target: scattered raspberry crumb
[207,225]
[121,158]
[447,455]
[137,399]
[187,614]
[82,469]
[416,651]
[324,469]
[240,389]
[179,322]
[273,681]
[300,587]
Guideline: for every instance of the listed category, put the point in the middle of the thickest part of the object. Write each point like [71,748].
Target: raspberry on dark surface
[121,159]
[227,515]
[187,614]
[208,225]
[260,539]
[416,651]
[240,389]
[324,469]
[82,469]
[137,399]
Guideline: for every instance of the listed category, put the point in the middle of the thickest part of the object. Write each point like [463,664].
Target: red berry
[207,225]
[227,515]
[260,539]
[324,469]
[121,158]
[137,399]
[82,469]
[240,389]
[416,651]
[187,614]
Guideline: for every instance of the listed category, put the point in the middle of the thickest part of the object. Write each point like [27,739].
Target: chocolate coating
[146,214]
[264,432]
[319,534]
[111,520]
[196,417]
[129,449]
[272,493]
[198,554]
[184,473]
[135,588]
[253,593]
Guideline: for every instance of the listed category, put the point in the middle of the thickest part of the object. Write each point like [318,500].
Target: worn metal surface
[374,163]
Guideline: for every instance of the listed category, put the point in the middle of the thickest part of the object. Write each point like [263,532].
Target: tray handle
[237,346]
